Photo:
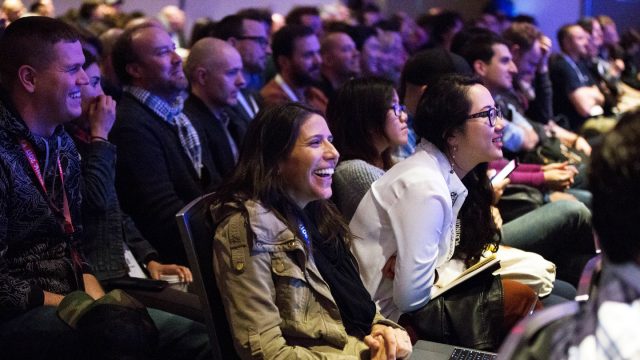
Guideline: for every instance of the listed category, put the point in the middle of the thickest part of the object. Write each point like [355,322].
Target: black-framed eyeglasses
[398,109]
[492,114]
[261,40]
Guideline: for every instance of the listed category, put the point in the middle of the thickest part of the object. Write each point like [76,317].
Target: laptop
[428,350]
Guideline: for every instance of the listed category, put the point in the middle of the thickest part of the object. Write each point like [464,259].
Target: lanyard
[250,108]
[285,87]
[67,225]
[584,80]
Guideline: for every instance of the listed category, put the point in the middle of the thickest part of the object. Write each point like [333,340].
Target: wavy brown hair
[269,141]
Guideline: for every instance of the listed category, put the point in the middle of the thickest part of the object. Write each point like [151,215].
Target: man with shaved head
[214,69]
[340,61]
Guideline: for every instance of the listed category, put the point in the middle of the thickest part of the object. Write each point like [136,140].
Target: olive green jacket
[275,299]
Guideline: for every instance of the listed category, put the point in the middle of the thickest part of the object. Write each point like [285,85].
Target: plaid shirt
[172,114]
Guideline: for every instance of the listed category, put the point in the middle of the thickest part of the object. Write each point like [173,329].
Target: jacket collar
[457,189]
[266,226]
[16,128]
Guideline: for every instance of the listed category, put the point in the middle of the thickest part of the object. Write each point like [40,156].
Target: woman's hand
[560,180]
[157,269]
[102,114]
[386,342]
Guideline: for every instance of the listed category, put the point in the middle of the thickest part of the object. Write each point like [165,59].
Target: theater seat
[197,231]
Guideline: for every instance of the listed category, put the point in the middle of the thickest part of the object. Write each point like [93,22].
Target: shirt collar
[163,109]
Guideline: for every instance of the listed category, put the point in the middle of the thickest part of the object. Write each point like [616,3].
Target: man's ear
[134,70]
[283,62]
[515,50]
[480,67]
[200,75]
[27,78]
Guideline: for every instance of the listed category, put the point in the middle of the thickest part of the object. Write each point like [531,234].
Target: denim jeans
[560,232]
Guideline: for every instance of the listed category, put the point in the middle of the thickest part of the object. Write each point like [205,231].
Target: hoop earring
[453,158]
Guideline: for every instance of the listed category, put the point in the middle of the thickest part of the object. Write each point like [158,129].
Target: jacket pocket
[292,289]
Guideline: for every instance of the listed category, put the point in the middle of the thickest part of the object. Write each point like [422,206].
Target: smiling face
[499,72]
[308,169]
[305,61]
[58,86]
[395,127]
[159,67]
[527,62]
[93,89]
[576,44]
[342,55]
[478,142]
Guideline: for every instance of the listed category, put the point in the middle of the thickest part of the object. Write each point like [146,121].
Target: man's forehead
[252,27]
[151,36]
[306,43]
[68,52]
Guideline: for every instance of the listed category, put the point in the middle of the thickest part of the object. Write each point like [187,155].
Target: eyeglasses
[492,114]
[261,40]
[398,109]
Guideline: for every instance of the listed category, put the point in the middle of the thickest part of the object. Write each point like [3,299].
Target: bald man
[214,69]
[340,61]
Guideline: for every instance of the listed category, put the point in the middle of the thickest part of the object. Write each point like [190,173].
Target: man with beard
[296,54]
[340,61]
[575,93]
[163,162]
[250,37]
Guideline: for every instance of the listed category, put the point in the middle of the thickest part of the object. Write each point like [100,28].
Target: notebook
[427,350]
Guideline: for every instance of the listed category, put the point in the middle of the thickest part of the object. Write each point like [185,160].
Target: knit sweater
[351,180]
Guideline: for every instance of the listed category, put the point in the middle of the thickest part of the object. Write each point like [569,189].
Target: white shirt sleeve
[418,222]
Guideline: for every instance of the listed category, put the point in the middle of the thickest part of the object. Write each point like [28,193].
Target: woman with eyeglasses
[367,122]
[289,284]
[428,218]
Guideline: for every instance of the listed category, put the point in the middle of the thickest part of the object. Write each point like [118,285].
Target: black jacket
[154,176]
[35,252]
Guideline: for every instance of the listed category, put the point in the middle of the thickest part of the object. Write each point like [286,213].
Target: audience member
[398,246]
[110,83]
[161,163]
[368,110]
[296,54]
[422,69]
[368,44]
[214,69]
[13,9]
[443,27]
[278,234]
[173,19]
[41,242]
[603,326]
[109,233]
[43,8]
[575,94]
[42,234]
[106,227]
[306,16]
[394,54]
[250,37]
[340,61]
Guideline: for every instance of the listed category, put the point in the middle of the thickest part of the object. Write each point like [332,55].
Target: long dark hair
[442,111]
[269,140]
[356,115]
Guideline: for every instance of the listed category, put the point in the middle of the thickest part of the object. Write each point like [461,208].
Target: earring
[453,158]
